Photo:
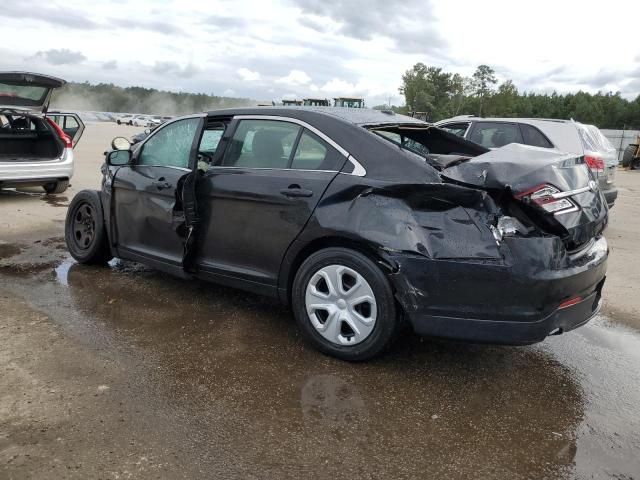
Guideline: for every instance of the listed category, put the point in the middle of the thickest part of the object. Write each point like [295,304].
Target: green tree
[484,79]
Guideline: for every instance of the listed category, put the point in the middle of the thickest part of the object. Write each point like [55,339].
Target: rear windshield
[593,139]
[26,95]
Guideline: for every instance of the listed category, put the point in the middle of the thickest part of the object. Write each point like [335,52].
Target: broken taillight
[596,164]
[548,198]
[66,140]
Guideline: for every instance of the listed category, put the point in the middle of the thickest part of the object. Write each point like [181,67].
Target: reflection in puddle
[332,402]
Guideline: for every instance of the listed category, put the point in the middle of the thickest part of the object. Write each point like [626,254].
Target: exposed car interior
[24,138]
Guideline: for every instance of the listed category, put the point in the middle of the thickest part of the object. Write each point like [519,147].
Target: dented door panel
[143,199]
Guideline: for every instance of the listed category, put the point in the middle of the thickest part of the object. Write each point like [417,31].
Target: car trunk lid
[557,190]
[24,91]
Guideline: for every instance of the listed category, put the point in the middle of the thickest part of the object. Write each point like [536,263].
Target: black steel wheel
[85,232]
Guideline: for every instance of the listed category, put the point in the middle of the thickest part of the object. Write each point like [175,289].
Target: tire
[382,314]
[54,188]
[84,231]
[118,122]
[628,156]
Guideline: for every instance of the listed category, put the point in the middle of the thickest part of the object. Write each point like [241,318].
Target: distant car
[340,213]
[138,137]
[36,149]
[141,121]
[564,135]
[125,119]
[155,120]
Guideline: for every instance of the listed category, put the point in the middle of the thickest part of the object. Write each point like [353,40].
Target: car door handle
[296,192]
[161,184]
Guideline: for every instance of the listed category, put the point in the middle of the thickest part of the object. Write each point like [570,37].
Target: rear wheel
[85,232]
[628,156]
[56,187]
[118,122]
[344,304]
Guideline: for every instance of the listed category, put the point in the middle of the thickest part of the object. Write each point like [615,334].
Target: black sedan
[361,220]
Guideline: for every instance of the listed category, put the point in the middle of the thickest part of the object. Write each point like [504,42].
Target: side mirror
[117,158]
[120,143]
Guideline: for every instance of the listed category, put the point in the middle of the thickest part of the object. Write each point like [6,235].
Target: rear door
[70,123]
[259,195]
[27,91]
[144,204]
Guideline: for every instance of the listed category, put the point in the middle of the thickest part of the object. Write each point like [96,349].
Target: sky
[270,50]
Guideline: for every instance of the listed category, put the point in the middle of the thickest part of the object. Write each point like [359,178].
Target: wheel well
[329,242]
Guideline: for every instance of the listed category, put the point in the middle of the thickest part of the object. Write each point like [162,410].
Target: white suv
[34,149]
[565,135]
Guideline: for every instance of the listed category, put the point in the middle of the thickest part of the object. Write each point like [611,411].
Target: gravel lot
[124,372]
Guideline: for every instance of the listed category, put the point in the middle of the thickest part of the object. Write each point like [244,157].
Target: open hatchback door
[23,91]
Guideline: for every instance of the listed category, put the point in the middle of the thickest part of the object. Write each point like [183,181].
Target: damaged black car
[361,220]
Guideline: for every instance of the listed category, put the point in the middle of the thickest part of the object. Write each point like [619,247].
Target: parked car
[125,119]
[358,219]
[36,149]
[141,121]
[138,137]
[563,135]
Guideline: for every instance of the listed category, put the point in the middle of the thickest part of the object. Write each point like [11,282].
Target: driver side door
[146,212]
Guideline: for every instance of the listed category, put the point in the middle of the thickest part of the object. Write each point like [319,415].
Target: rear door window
[533,136]
[261,144]
[495,134]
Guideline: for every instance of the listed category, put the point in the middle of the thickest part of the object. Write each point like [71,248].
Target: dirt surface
[124,372]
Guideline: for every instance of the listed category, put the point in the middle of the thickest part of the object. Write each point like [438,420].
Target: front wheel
[85,233]
[344,304]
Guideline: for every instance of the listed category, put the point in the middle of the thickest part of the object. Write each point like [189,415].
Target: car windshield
[22,94]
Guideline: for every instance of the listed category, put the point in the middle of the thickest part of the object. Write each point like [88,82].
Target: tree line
[106,97]
[442,94]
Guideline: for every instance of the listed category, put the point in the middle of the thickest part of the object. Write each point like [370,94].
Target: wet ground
[128,371]
[124,372]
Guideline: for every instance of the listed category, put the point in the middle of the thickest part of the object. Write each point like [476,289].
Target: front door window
[171,145]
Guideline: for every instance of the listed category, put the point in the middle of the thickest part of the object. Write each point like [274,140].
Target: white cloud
[317,47]
[229,92]
[248,75]
[295,78]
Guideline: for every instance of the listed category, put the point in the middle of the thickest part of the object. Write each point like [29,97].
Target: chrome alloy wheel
[341,305]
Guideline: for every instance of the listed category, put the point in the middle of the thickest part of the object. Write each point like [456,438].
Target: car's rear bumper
[506,304]
[36,172]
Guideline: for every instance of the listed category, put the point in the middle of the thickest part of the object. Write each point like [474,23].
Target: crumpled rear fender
[435,220]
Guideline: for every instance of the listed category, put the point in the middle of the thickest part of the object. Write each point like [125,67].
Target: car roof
[356,116]
[563,134]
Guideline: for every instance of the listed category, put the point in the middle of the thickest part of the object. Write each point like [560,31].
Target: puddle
[56,200]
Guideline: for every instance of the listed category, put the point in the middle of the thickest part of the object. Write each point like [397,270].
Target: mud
[8,250]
